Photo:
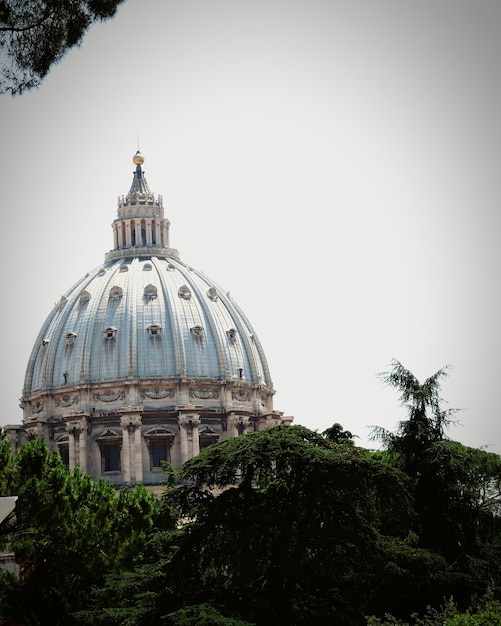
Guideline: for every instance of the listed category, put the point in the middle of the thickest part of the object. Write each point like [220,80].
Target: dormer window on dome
[109,333]
[150,292]
[70,338]
[184,292]
[154,330]
[232,335]
[197,332]
[84,296]
[116,293]
[212,293]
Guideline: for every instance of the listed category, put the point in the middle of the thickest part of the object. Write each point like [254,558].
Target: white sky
[334,164]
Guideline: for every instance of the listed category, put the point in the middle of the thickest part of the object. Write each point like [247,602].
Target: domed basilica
[144,359]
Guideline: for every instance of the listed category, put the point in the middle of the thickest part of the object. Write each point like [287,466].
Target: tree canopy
[284,526]
[37,34]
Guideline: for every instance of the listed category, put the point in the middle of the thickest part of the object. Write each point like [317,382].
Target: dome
[144,352]
[146,318]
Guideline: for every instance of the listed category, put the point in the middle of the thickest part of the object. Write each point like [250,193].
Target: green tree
[36,34]
[278,527]
[286,527]
[69,531]
[338,434]
[456,489]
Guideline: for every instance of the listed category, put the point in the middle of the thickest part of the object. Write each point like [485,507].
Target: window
[154,330]
[159,441]
[150,292]
[70,338]
[111,458]
[109,333]
[184,292]
[116,294]
[64,453]
[159,452]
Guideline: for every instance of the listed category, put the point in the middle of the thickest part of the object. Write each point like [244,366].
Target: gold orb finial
[138,158]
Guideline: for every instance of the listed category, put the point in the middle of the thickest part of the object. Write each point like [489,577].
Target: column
[120,231]
[188,435]
[138,455]
[82,445]
[237,424]
[125,452]
[77,443]
[183,438]
[147,225]
[71,447]
[132,452]
[128,236]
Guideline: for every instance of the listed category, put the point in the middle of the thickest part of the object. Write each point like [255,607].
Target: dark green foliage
[36,34]
[301,535]
[69,531]
[284,526]
[337,434]
[455,489]
[201,615]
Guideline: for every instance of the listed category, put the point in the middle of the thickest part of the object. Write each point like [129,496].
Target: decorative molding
[204,393]
[130,422]
[189,420]
[37,406]
[66,400]
[242,395]
[157,393]
[109,396]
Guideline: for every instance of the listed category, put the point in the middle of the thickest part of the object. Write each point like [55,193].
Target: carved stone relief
[204,393]
[157,393]
[109,396]
[242,395]
[66,400]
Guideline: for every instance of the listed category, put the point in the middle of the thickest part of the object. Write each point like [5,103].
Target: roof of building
[144,313]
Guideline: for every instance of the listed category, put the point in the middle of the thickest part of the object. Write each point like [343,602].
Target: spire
[139,191]
[140,229]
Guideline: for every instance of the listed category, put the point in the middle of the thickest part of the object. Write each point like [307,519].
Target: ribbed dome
[144,359]
[144,318]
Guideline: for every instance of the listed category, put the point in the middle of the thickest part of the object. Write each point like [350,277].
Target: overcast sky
[334,164]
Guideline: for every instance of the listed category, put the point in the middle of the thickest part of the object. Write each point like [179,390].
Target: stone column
[120,235]
[77,444]
[237,424]
[128,235]
[147,224]
[82,444]
[71,446]
[158,238]
[188,435]
[131,451]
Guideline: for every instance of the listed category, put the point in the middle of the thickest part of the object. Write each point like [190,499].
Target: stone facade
[144,359]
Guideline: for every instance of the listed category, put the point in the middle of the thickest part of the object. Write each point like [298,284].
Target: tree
[36,34]
[456,489]
[68,532]
[278,527]
[337,434]
[427,421]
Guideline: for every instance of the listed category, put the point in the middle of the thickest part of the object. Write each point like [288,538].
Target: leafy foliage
[69,531]
[456,489]
[36,34]
[285,526]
